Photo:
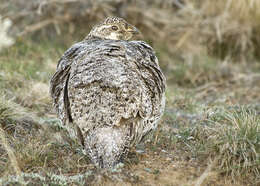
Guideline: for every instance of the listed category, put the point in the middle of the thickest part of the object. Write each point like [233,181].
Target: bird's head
[114,28]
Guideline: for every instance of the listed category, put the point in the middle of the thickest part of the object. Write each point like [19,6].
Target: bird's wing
[58,83]
[153,94]
[145,59]
[114,83]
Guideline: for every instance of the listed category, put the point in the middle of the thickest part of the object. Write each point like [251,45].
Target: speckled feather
[111,93]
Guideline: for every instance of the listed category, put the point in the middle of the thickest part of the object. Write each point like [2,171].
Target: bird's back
[113,91]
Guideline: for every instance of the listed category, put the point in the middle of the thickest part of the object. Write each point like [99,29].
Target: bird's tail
[107,146]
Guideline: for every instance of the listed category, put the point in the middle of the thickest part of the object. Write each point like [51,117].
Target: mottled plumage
[109,92]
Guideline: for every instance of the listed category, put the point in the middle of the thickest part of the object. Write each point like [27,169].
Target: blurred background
[191,37]
[209,52]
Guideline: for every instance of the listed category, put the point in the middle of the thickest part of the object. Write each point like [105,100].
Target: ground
[209,134]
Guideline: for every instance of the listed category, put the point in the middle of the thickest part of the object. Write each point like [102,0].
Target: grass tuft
[234,136]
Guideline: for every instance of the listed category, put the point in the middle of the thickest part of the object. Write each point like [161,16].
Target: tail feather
[107,146]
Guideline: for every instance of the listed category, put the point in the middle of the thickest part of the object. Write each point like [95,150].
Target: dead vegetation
[224,28]
[209,134]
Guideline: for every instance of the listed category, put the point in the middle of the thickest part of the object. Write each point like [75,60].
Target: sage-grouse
[109,91]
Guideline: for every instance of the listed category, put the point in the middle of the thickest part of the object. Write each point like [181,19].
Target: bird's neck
[90,36]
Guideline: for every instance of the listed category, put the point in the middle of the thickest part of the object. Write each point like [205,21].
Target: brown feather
[111,93]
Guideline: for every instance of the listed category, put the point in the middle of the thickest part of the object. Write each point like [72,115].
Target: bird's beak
[133,30]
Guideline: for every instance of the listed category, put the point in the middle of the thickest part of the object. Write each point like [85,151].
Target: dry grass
[10,153]
[192,129]
[208,52]
[234,136]
[224,28]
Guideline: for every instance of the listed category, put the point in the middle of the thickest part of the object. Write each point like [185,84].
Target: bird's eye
[114,28]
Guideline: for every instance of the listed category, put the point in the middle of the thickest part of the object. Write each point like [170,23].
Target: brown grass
[223,28]
[11,156]
[208,51]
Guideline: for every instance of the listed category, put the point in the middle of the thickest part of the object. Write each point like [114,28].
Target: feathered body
[111,93]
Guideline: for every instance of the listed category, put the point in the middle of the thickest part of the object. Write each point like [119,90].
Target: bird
[109,91]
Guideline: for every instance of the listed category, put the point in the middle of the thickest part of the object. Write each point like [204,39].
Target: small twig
[178,3]
[206,173]
[37,26]
[42,24]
